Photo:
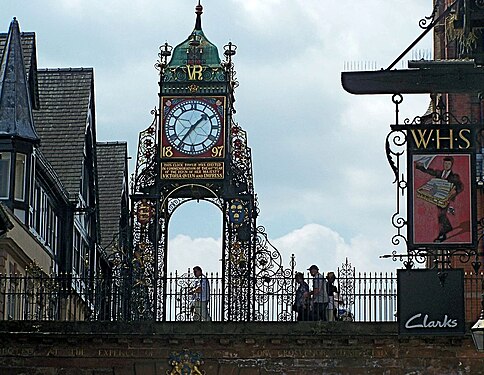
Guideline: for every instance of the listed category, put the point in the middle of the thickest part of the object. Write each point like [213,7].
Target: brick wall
[229,349]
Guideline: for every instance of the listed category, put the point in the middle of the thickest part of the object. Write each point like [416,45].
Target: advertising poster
[441,209]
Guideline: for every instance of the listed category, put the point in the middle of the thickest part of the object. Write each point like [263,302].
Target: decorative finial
[230,50]
[198,12]
[165,52]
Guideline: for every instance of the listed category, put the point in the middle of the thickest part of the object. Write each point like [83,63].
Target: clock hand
[203,117]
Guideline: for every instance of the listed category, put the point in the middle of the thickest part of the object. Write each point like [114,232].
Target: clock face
[193,126]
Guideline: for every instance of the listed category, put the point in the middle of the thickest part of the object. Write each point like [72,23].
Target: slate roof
[112,173]
[15,103]
[65,96]
[30,59]
[28,47]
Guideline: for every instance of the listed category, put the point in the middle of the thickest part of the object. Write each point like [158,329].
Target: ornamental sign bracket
[423,145]
[456,76]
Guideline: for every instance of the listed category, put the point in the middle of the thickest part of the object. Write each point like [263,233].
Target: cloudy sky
[323,183]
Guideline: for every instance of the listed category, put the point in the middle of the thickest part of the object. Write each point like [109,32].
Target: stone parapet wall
[306,348]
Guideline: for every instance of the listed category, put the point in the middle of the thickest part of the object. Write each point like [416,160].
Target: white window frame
[20,176]
[5,157]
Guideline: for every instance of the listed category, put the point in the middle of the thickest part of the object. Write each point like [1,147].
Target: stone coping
[234,330]
[206,328]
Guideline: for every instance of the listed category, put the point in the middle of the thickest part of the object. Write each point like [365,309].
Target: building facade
[458,39]
[50,182]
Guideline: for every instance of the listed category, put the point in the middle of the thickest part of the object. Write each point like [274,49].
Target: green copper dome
[196,49]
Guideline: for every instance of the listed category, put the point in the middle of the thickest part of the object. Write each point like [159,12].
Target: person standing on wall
[332,290]
[301,303]
[319,294]
[200,296]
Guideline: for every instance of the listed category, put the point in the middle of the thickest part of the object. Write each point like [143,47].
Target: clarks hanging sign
[430,303]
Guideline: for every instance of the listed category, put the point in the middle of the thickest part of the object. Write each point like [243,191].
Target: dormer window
[5,161]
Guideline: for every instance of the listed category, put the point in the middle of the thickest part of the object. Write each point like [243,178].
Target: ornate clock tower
[194,150]
[196,108]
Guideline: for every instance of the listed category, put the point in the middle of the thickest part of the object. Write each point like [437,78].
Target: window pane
[20,163]
[37,208]
[76,251]
[4,174]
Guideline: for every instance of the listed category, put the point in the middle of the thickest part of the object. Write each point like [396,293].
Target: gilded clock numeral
[217,151]
[166,152]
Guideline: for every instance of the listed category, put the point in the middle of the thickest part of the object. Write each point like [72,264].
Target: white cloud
[310,244]
[185,252]
[320,245]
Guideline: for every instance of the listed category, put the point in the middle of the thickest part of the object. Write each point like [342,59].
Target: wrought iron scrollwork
[438,258]
[272,278]
[346,279]
[238,262]
[165,53]
[143,262]
[428,22]
[230,50]
[438,118]
[395,147]
[147,225]
[241,161]
[145,172]
[396,150]
[268,259]
[183,301]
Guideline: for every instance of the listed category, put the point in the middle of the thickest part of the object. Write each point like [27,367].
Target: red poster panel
[442,196]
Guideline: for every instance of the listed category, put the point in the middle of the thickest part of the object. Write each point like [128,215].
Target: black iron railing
[363,297]
[374,297]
